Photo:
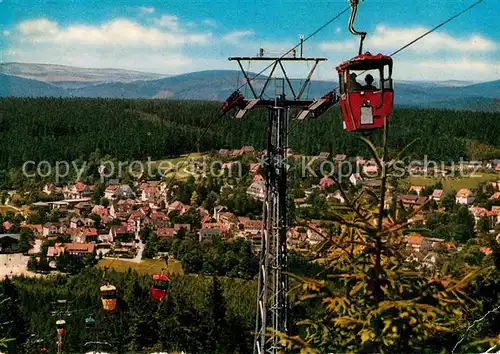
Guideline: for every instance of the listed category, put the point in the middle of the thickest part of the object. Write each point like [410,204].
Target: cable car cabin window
[387,79]
[364,80]
[109,294]
[160,285]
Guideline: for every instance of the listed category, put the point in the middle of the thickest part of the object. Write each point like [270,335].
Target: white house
[464,196]
[257,190]
[356,179]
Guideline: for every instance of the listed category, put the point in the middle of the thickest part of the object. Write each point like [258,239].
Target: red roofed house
[486,251]
[7,225]
[216,225]
[226,218]
[420,243]
[177,206]
[257,178]
[370,168]
[296,235]
[417,189]
[120,210]
[79,248]
[77,191]
[254,167]
[159,219]
[150,192]
[71,248]
[120,232]
[55,251]
[165,232]
[134,221]
[450,246]
[37,228]
[205,215]
[83,235]
[411,200]
[109,192]
[415,241]
[158,215]
[247,150]
[480,213]
[437,195]
[250,227]
[326,182]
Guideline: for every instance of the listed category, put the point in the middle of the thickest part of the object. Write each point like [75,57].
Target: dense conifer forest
[200,314]
[66,129]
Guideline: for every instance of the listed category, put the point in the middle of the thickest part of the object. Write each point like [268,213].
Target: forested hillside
[217,85]
[66,129]
[200,314]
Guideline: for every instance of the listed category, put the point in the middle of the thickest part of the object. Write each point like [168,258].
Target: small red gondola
[366,107]
[159,287]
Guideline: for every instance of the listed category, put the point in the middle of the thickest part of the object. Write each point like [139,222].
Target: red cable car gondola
[365,107]
[159,287]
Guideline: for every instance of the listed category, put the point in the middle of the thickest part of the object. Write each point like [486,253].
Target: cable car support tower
[272,304]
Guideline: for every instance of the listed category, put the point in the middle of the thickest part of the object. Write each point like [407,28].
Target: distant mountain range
[71,77]
[40,80]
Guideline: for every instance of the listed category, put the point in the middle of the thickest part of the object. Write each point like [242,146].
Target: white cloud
[6,33]
[39,28]
[145,10]
[236,36]
[170,45]
[387,39]
[210,23]
[169,21]
[447,69]
[338,30]
[119,32]
[118,43]
[463,64]
[438,56]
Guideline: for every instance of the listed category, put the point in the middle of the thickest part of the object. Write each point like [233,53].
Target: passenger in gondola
[369,83]
[354,84]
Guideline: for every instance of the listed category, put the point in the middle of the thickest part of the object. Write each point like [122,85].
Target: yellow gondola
[108,297]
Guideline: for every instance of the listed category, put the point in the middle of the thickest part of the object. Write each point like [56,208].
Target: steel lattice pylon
[272,304]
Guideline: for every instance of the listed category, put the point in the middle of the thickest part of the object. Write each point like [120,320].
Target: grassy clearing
[470,182]
[146,266]
[177,164]
[454,184]
[5,208]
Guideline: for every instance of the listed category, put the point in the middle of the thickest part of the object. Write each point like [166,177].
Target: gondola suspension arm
[354,10]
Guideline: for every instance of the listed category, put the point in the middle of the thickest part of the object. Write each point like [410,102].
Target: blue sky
[177,36]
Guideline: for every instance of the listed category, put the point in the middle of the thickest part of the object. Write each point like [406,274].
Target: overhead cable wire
[319,29]
[420,37]
[219,114]
[438,26]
